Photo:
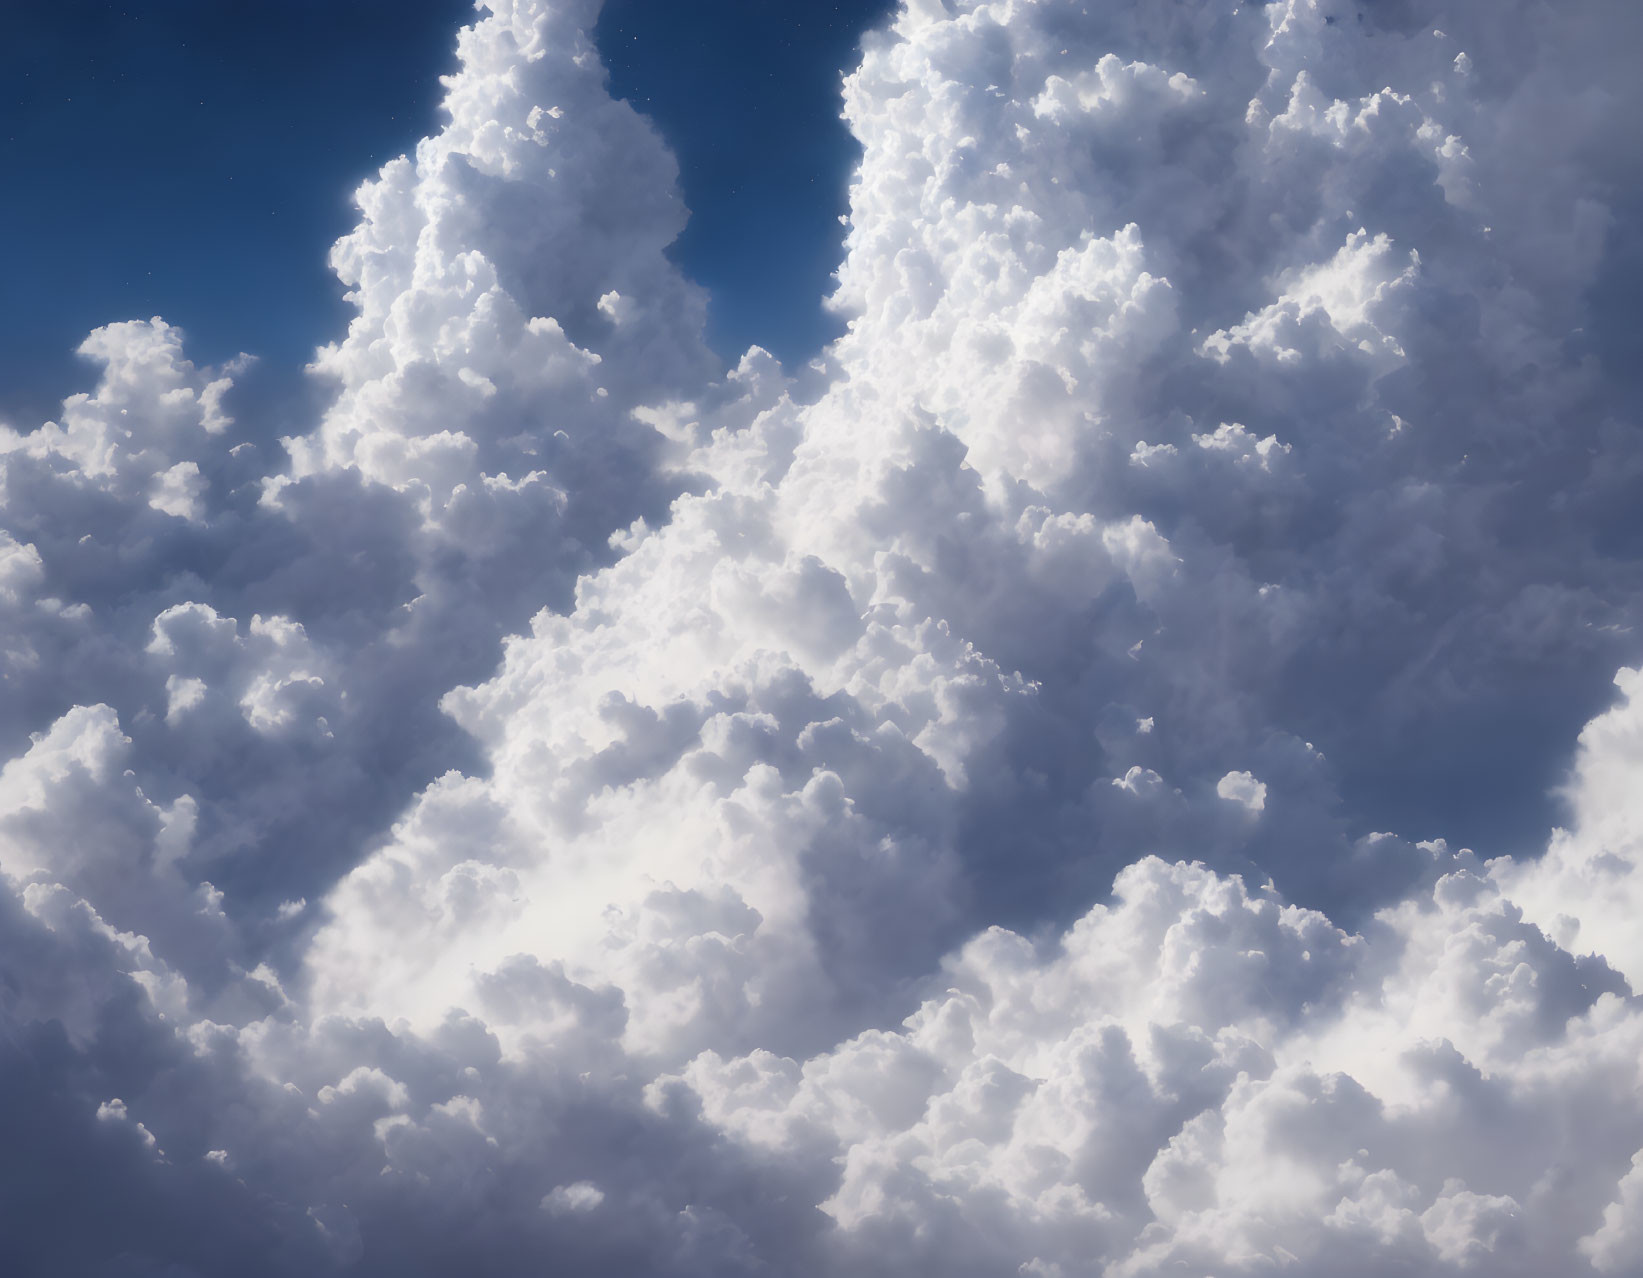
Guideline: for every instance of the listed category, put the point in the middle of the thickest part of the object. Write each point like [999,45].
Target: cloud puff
[924,815]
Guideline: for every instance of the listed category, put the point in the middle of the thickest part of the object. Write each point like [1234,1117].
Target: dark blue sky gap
[747,94]
[196,159]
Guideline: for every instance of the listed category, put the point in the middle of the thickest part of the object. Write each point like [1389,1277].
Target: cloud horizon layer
[1117,768]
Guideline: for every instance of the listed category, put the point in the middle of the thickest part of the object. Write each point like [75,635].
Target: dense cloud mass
[1063,785]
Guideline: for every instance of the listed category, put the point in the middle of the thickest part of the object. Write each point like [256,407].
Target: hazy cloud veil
[973,806]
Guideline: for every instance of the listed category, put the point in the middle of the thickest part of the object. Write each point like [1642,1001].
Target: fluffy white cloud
[845,824]
[1584,891]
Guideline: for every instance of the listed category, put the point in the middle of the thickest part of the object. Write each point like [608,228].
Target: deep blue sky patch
[195,160]
[747,94]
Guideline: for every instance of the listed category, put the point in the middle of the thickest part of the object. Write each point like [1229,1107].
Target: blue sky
[196,160]
[746,93]
[158,142]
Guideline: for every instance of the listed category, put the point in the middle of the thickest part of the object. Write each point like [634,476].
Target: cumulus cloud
[928,814]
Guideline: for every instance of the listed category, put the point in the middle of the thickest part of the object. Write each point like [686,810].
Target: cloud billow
[991,803]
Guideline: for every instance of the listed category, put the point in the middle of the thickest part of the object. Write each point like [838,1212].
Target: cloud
[1241,787]
[924,814]
[1583,889]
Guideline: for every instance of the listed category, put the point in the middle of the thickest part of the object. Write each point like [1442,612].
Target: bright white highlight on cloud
[1241,787]
[925,814]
